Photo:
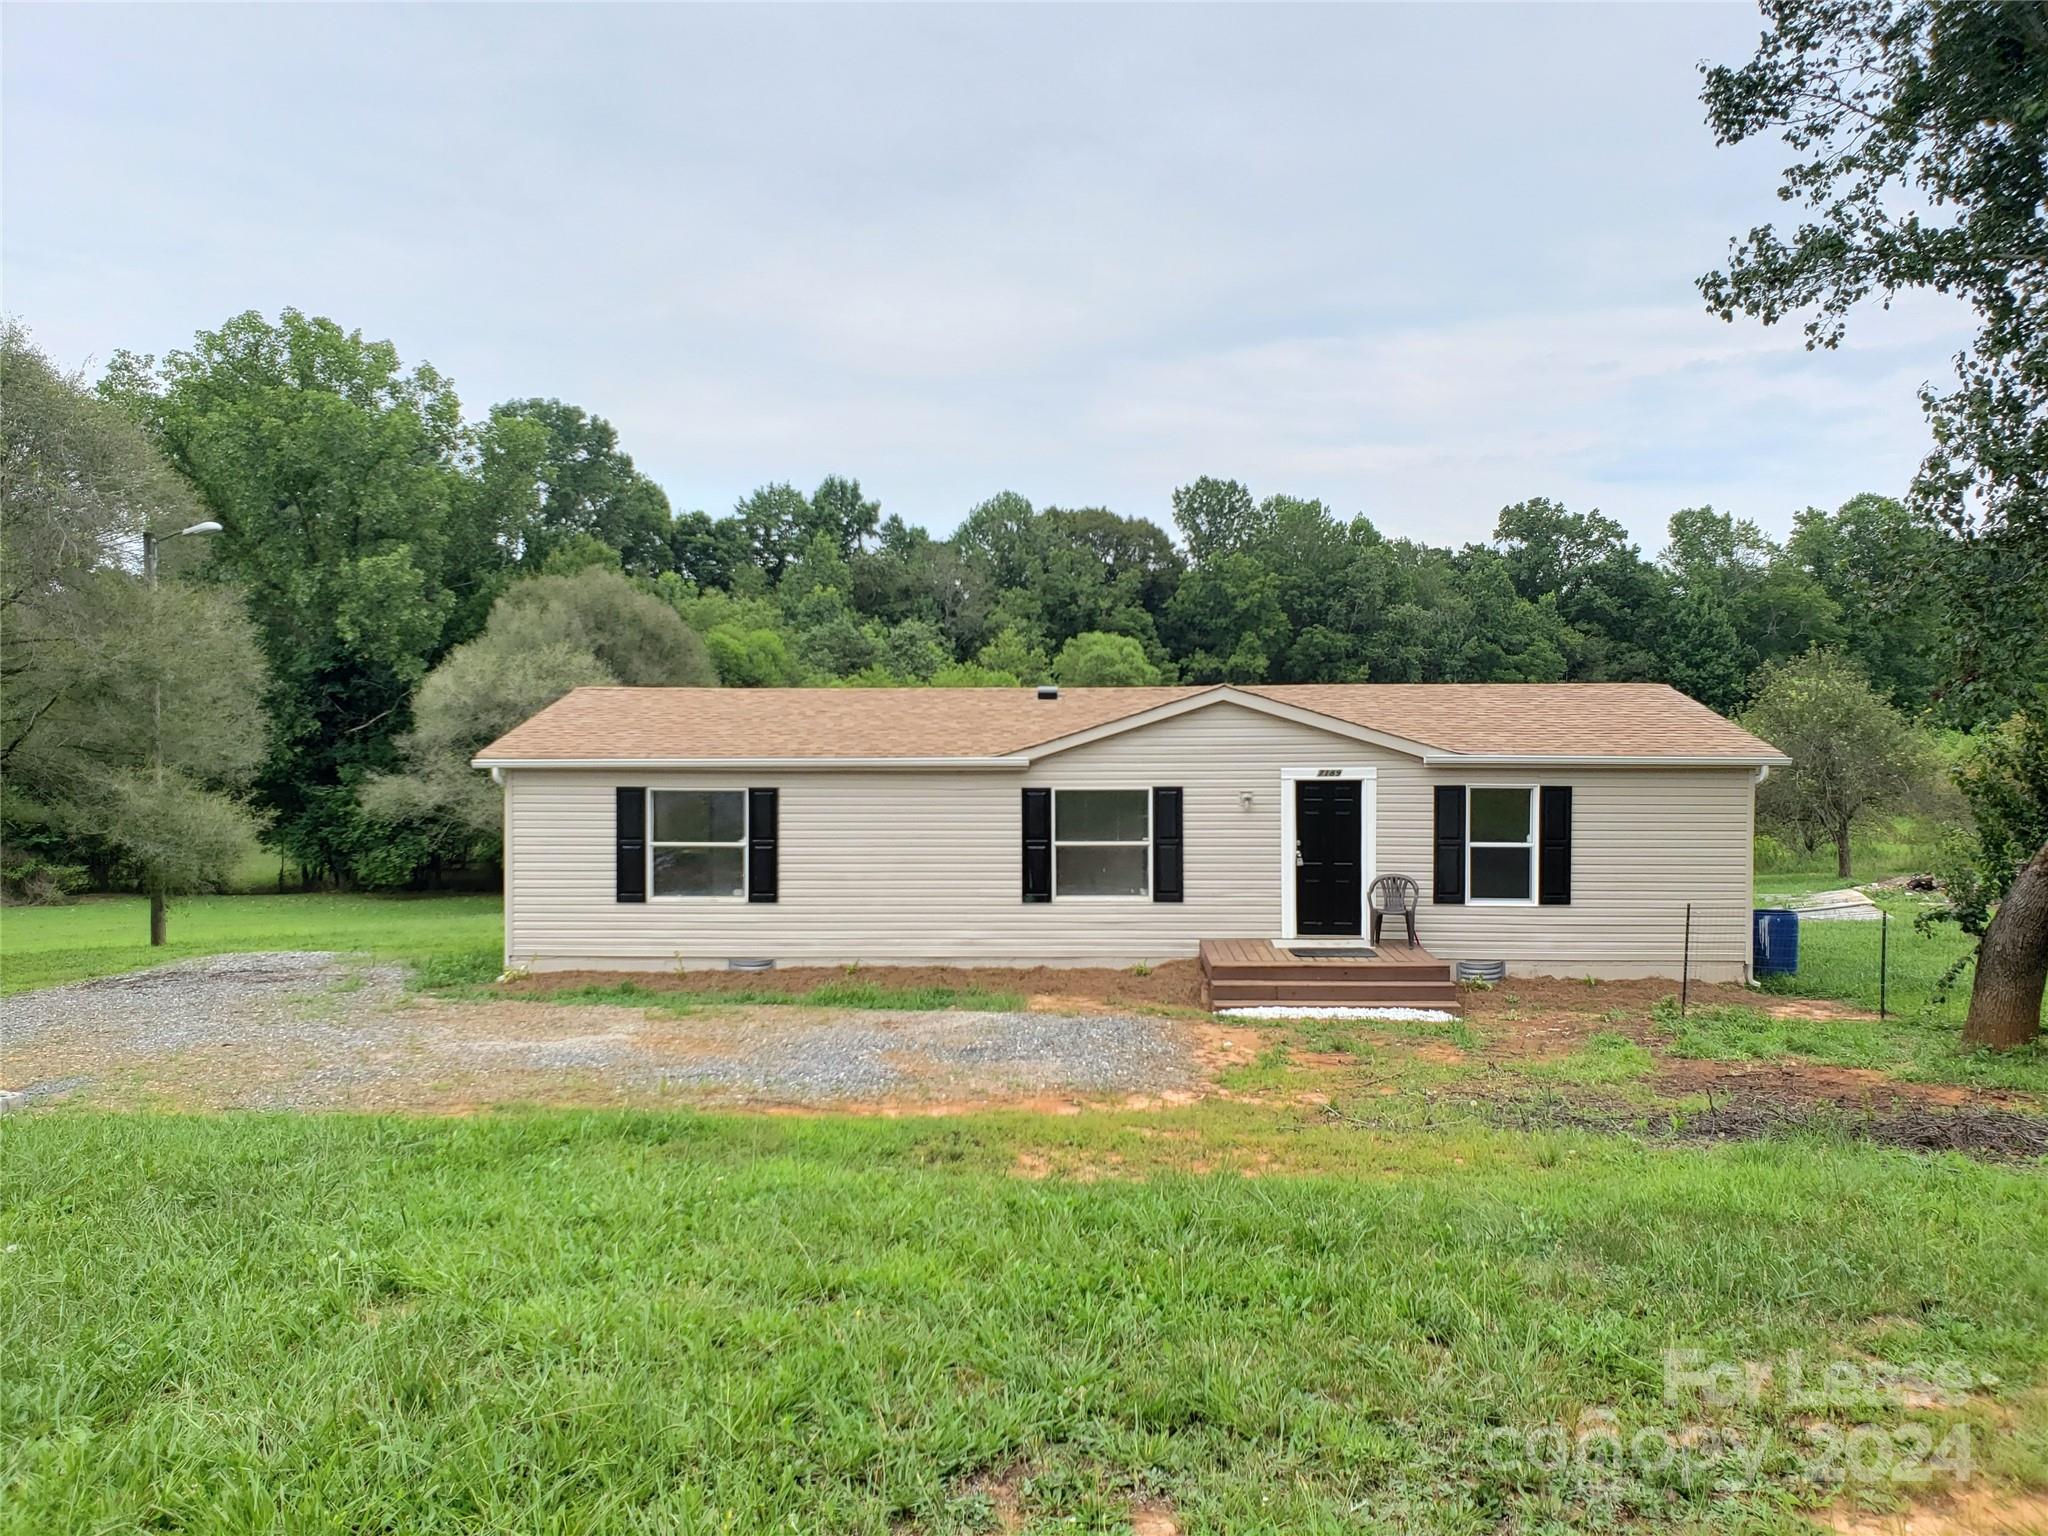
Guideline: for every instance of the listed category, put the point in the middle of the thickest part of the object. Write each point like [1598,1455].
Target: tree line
[414,582]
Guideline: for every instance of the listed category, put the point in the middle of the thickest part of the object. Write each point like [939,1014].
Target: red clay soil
[1807,1082]
[1176,984]
[1546,994]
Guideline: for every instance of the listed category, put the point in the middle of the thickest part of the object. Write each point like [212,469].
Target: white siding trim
[508,787]
[1529,760]
[1534,845]
[1368,824]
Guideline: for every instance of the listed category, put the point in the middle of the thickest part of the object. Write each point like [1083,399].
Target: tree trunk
[2012,964]
[158,927]
[1842,851]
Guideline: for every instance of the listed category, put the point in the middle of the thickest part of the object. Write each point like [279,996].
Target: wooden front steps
[1254,973]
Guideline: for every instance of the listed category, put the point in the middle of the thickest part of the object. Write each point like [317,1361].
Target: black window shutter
[1449,885]
[1166,845]
[1554,881]
[1038,845]
[632,839]
[763,871]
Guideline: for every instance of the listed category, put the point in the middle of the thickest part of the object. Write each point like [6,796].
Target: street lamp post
[157,924]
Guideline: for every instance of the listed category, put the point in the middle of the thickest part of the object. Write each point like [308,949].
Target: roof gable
[1258,702]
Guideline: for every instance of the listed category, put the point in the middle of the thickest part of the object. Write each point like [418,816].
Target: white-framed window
[697,844]
[1500,844]
[1101,843]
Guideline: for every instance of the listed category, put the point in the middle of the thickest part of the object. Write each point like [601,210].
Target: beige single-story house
[1563,829]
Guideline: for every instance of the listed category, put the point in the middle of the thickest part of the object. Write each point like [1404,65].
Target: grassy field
[679,1322]
[1841,960]
[460,937]
[1913,1047]
[1901,845]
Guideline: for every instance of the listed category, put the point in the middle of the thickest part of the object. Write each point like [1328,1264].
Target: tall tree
[351,529]
[1853,755]
[129,714]
[1604,589]
[1061,572]
[1725,568]
[775,523]
[1458,619]
[1226,621]
[1216,517]
[841,511]
[1922,164]
[583,483]
[1096,660]
[2005,779]
[1879,564]
[705,550]
[546,635]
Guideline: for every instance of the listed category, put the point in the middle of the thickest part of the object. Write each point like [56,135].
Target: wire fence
[1717,938]
[1715,943]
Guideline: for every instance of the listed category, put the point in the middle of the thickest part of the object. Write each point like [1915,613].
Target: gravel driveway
[314,1030]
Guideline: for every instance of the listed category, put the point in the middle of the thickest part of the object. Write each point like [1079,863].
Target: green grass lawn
[1914,1047]
[674,1321]
[696,1323]
[102,935]
[1840,960]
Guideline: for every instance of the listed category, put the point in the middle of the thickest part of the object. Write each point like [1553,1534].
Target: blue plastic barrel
[1777,942]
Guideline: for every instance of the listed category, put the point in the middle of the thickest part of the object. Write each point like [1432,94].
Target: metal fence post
[1884,948]
[1685,965]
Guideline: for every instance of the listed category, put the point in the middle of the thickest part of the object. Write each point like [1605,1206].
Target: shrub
[30,881]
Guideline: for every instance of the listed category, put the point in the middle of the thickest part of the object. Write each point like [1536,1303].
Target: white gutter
[1524,759]
[1021,760]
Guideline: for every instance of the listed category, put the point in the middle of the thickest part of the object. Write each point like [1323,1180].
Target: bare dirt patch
[1173,984]
[1812,1083]
[1219,1047]
[1975,1130]
[1003,1493]
[1566,995]
[1971,1511]
[1805,1008]
[1555,997]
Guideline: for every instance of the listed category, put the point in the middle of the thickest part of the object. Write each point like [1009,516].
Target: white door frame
[1368,823]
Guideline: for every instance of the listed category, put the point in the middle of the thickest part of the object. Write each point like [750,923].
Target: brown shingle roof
[1534,719]
[651,725]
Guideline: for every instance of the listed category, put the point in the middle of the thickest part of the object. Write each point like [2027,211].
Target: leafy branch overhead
[1921,132]
[1921,136]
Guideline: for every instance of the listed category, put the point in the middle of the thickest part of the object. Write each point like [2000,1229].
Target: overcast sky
[1418,262]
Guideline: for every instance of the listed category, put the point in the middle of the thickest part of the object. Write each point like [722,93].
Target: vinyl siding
[924,866]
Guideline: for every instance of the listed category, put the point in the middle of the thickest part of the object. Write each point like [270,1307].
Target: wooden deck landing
[1256,973]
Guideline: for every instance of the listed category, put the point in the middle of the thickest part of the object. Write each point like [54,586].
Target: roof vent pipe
[1047,691]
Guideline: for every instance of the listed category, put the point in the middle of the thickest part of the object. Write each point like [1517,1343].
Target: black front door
[1326,874]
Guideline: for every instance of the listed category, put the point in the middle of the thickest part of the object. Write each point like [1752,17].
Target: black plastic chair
[1394,893]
